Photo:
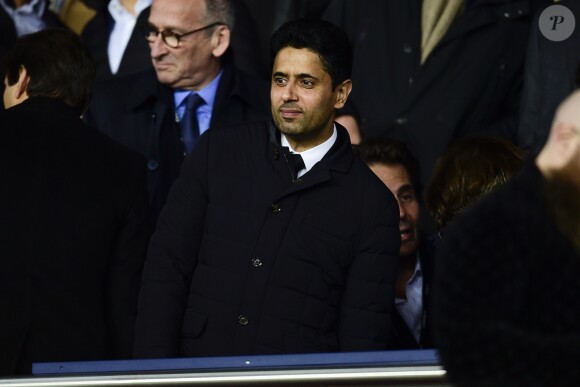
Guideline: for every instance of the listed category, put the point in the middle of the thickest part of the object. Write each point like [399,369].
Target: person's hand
[561,154]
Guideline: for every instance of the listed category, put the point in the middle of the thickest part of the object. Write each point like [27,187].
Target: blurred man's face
[397,180]
[191,65]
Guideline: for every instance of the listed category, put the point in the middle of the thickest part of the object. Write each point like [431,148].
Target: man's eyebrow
[172,29]
[299,76]
[405,188]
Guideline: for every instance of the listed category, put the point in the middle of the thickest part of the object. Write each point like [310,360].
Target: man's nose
[289,93]
[158,47]
[402,212]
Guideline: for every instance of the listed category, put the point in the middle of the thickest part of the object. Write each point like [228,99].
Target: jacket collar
[339,158]
[238,85]
[145,88]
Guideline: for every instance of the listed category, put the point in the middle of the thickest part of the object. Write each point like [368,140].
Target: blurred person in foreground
[73,214]
[505,298]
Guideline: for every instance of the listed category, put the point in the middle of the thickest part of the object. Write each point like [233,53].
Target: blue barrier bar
[261,362]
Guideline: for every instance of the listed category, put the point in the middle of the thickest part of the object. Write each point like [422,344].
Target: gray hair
[220,11]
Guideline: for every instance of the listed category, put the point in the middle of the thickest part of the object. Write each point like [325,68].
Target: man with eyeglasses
[194,86]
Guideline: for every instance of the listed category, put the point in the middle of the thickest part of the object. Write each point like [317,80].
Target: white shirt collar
[312,155]
[118,11]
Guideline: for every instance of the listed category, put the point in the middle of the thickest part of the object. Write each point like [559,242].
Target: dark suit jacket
[469,83]
[73,235]
[136,57]
[244,261]
[139,112]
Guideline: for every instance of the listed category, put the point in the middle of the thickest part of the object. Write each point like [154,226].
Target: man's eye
[307,83]
[280,81]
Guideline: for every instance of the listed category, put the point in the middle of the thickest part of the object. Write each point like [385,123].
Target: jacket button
[401,120]
[243,320]
[275,208]
[152,165]
[257,262]
[407,49]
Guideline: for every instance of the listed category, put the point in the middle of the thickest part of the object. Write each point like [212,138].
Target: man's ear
[20,93]
[16,93]
[342,92]
[220,40]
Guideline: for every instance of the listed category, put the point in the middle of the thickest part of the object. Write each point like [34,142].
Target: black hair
[391,152]
[321,37]
[58,64]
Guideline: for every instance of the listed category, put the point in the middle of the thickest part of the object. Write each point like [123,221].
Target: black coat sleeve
[171,260]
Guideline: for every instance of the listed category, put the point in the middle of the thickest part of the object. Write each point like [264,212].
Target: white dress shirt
[122,30]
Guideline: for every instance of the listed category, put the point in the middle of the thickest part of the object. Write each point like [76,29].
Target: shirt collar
[35,7]
[417,274]
[312,155]
[208,93]
[117,10]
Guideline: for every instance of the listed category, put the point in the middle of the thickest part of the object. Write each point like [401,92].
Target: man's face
[397,180]
[303,101]
[191,65]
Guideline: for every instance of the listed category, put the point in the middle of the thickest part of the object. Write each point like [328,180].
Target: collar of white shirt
[312,155]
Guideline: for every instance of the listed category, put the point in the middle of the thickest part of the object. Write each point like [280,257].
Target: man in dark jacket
[276,238]
[73,214]
[189,41]
[116,51]
[392,162]
[505,296]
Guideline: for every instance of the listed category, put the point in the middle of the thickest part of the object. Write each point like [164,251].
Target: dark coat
[469,83]
[550,75]
[73,235]
[244,261]
[505,294]
[139,112]
[136,57]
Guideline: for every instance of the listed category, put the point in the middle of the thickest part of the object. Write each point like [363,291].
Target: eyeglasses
[169,37]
